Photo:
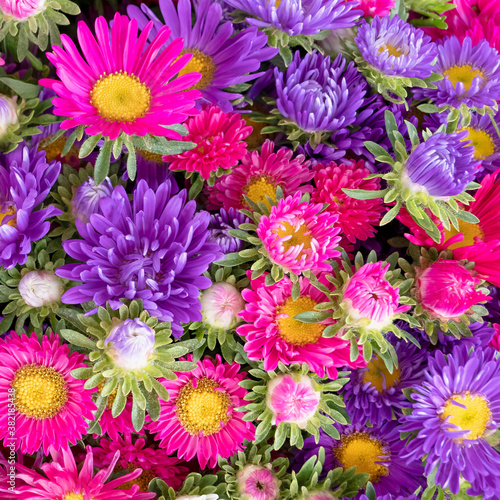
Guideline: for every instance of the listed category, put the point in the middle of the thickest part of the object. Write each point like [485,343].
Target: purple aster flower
[319,95]
[375,450]
[457,407]
[493,305]
[294,17]
[25,181]
[87,198]
[471,74]
[221,224]
[442,166]
[223,60]
[395,48]
[373,394]
[154,248]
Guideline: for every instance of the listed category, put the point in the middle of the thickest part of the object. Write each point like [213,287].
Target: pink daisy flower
[259,175]
[372,8]
[63,480]
[273,335]
[357,218]
[51,405]
[118,85]
[219,139]
[112,426]
[134,455]
[200,418]
[298,236]
[478,243]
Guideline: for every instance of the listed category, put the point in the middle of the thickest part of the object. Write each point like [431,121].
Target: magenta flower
[446,290]
[368,295]
[298,236]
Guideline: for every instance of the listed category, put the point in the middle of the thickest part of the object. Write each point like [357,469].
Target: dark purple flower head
[307,17]
[319,95]
[221,224]
[154,248]
[25,181]
[442,166]
[222,59]
[471,74]
[456,408]
[395,48]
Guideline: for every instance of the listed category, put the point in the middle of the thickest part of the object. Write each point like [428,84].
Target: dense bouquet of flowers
[249,249]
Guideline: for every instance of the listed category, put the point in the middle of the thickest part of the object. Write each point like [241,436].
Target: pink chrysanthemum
[259,175]
[372,8]
[357,218]
[298,236]
[63,481]
[273,335]
[446,290]
[369,295]
[133,455]
[257,483]
[478,243]
[118,86]
[219,139]
[113,426]
[51,405]
[200,418]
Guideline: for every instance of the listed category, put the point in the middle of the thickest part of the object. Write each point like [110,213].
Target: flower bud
[87,197]
[21,10]
[8,112]
[256,482]
[292,400]
[220,306]
[132,344]
[40,288]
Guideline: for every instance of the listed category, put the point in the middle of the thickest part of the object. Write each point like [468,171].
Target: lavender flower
[221,224]
[88,196]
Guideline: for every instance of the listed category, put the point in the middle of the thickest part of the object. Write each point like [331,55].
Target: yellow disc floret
[120,97]
[40,391]
[199,63]
[73,496]
[470,232]
[142,481]
[8,210]
[482,142]
[469,413]
[464,74]
[257,190]
[203,408]
[377,372]
[300,236]
[294,331]
[393,51]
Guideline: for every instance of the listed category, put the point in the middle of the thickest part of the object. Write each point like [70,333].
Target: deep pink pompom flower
[372,8]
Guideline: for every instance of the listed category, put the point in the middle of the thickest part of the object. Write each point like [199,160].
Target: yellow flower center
[464,74]
[365,452]
[54,149]
[473,416]
[7,212]
[120,97]
[40,391]
[277,3]
[294,331]
[257,190]
[203,408]
[300,236]
[393,51]
[377,372]
[469,230]
[142,481]
[73,496]
[150,156]
[199,63]
[482,142]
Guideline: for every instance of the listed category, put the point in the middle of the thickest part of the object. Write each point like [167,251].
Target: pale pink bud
[40,288]
[220,306]
[21,10]
[256,482]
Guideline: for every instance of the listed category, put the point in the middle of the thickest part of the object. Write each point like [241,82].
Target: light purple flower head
[87,198]
[132,343]
[8,113]
[221,224]
[25,181]
[299,17]
[154,248]
[318,94]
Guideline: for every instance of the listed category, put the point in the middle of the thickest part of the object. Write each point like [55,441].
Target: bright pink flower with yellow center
[298,236]
[274,336]
[119,85]
[446,290]
[357,218]
[219,139]
[368,295]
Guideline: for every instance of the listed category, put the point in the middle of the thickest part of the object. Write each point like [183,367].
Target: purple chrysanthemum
[471,74]
[375,450]
[319,95]
[222,59]
[221,224]
[307,17]
[25,181]
[456,408]
[154,248]
[373,394]
[395,48]
[442,166]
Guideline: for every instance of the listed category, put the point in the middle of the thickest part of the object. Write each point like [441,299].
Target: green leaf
[138,415]
[119,403]
[160,389]
[82,373]
[232,260]
[312,316]
[77,339]
[89,145]
[467,217]
[102,163]
[22,89]
[361,194]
